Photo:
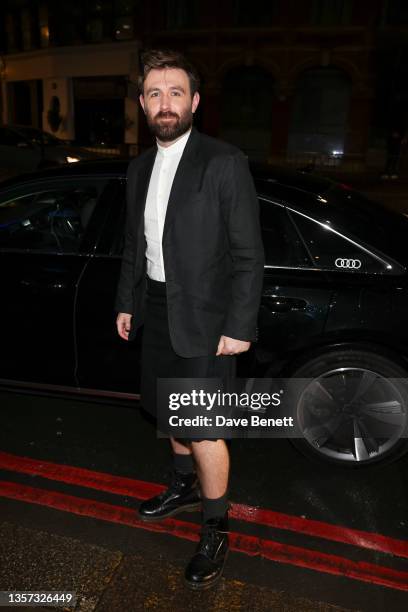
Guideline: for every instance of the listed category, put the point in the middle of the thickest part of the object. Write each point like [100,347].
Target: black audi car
[334,305]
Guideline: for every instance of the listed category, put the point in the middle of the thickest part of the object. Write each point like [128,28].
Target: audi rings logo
[350,264]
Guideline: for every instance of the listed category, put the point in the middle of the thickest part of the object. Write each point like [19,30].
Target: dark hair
[167,58]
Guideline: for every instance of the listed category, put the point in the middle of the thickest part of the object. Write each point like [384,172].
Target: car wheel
[353,408]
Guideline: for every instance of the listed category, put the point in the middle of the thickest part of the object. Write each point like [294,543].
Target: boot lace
[175,485]
[209,539]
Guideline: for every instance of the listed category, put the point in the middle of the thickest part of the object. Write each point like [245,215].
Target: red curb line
[143,490]
[243,543]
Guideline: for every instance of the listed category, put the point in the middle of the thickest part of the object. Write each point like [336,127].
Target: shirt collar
[175,148]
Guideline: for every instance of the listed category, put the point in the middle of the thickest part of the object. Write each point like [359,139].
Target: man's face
[168,104]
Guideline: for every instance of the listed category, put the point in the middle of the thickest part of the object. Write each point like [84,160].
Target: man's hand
[123,323]
[229,346]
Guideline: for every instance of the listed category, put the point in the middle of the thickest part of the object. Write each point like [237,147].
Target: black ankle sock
[183,463]
[213,508]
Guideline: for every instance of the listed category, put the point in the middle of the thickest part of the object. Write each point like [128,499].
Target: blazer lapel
[185,178]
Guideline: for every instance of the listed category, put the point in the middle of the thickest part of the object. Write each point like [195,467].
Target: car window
[282,245]
[52,218]
[332,250]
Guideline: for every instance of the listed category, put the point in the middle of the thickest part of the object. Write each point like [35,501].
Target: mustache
[166,115]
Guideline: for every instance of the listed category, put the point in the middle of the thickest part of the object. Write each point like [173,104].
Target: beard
[166,131]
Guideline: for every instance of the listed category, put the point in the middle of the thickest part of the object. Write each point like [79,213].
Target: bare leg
[179,448]
[212,459]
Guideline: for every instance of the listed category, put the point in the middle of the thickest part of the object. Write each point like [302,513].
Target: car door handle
[278,303]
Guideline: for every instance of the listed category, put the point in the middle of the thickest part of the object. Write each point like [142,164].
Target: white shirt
[161,180]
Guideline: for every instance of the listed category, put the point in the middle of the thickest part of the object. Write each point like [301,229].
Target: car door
[105,361]
[46,237]
[296,297]
[364,281]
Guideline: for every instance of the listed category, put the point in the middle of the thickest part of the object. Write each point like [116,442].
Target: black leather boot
[182,494]
[205,568]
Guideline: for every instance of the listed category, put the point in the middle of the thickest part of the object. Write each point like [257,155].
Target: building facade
[293,81]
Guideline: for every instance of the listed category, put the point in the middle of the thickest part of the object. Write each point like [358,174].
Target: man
[192,272]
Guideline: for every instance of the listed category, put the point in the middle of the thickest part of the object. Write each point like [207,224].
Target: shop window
[13,32]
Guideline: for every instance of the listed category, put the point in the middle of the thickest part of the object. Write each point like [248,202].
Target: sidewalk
[111,581]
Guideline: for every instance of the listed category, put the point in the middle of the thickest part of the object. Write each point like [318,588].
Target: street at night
[305,536]
[203,311]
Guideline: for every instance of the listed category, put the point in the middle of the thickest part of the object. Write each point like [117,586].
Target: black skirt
[159,359]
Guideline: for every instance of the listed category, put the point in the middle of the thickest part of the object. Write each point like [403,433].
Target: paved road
[305,536]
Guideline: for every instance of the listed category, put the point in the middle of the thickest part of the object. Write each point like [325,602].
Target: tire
[353,411]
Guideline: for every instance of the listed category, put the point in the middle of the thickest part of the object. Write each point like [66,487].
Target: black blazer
[212,247]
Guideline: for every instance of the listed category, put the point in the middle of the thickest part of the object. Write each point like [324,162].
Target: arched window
[320,111]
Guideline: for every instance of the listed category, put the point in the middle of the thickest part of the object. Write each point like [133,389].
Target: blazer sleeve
[124,293]
[241,214]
